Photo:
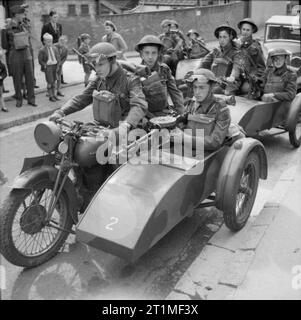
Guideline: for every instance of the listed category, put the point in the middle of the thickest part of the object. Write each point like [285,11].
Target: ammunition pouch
[155,92]
[106,108]
[21,40]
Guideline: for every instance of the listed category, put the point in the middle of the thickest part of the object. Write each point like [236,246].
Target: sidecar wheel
[243,193]
[26,239]
[294,122]
[295,132]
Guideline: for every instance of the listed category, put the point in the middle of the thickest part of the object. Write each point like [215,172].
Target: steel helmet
[165,22]
[101,51]
[249,21]
[278,52]
[202,75]
[225,27]
[149,40]
[192,31]
[175,23]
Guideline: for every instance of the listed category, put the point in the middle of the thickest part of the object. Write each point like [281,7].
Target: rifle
[85,59]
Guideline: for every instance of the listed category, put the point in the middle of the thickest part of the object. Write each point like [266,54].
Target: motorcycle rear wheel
[26,239]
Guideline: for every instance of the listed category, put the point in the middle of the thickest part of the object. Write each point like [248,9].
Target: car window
[282,32]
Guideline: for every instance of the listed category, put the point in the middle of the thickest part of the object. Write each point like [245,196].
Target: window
[282,32]
[71,10]
[85,10]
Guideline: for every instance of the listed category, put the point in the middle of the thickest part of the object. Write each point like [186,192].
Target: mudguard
[234,161]
[293,112]
[33,176]
[139,204]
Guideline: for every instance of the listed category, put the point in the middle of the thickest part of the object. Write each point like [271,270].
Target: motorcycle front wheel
[27,239]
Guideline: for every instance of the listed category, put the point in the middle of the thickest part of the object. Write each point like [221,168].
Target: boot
[54,96]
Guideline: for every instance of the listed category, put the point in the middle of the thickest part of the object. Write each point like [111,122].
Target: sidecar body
[139,204]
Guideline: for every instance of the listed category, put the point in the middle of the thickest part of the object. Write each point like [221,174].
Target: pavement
[73,75]
[262,261]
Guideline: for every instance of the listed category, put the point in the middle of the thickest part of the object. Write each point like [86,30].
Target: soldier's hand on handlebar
[56,116]
[268,97]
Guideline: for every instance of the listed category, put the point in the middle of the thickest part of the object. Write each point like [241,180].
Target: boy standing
[63,51]
[49,59]
[84,49]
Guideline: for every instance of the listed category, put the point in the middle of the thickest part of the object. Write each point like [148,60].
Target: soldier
[196,47]
[280,83]
[84,49]
[27,25]
[252,63]
[20,59]
[205,111]
[173,44]
[121,87]
[158,82]
[224,61]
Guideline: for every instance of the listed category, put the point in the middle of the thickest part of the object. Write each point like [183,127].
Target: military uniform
[124,85]
[20,61]
[252,54]
[213,116]
[223,62]
[172,49]
[157,91]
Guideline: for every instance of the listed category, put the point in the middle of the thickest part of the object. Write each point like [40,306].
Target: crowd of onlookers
[16,42]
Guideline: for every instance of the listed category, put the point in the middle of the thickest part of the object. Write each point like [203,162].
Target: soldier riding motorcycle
[38,214]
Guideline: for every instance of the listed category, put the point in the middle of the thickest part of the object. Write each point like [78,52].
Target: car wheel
[244,190]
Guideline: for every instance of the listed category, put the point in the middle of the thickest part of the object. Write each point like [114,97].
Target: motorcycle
[51,190]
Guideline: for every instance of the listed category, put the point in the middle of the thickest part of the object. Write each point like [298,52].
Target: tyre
[26,238]
[295,131]
[244,190]
[294,121]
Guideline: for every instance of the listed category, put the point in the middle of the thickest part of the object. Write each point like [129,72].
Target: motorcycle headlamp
[47,136]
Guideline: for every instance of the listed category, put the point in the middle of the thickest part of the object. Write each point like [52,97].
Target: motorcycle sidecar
[255,116]
[139,204]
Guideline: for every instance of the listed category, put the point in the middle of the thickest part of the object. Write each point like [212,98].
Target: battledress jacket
[282,82]
[213,116]
[157,93]
[230,54]
[126,86]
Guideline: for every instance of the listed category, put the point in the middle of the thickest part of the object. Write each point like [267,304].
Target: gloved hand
[230,79]
[182,118]
[268,97]
[143,71]
[58,114]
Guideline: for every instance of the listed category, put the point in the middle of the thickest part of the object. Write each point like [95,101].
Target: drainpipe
[247,8]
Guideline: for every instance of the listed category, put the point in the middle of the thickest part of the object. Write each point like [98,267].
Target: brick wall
[135,25]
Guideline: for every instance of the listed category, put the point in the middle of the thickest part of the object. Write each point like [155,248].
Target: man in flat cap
[20,58]
[115,39]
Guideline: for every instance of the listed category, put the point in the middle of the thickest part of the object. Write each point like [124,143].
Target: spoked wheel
[244,193]
[27,239]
